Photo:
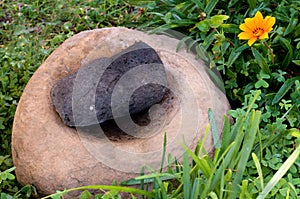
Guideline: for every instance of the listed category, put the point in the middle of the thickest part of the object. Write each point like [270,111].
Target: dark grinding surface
[88,92]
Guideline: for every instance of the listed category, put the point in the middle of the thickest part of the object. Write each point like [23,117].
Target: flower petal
[258,19]
[264,36]
[268,23]
[250,23]
[251,41]
[245,35]
[245,28]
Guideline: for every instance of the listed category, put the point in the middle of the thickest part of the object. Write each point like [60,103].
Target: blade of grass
[240,121]
[163,153]
[202,54]
[186,176]
[213,195]
[202,150]
[259,170]
[214,129]
[158,185]
[104,187]
[233,151]
[216,173]
[244,189]
[202,163]
[237,128]
[222,182]
[280,173]
[142,186]
[226,134]
[181,42]
[195,189]
[250,106]
[216,155]
[162,188]
[250,135]
[164,176]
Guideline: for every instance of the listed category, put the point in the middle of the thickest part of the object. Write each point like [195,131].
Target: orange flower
[256,28]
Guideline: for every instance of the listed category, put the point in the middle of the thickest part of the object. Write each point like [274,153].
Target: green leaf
[210,6]
[10,169]
[252,4]
[3,176]
[10,176]
[284,89]
[232,3]
[20,29]
[85,195]
[293,23]
[203,25]
[261,83]
[199,4]
[67,26]
[208,41]
[235,54]
[6,196]
[217,20]
[289,56]
[213,195]
[2,126]
[294,132]
[139,2]
[297,62]
[216,79]
[297,31]
[261,60]
[230,28]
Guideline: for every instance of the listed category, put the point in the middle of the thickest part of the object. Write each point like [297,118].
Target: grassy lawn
[262,83]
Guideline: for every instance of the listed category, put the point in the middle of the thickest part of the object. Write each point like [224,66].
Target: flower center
[258,32]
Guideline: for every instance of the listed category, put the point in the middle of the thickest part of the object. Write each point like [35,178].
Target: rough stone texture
[94,102]
[52,156]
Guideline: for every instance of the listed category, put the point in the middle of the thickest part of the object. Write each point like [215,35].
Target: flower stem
[271,51]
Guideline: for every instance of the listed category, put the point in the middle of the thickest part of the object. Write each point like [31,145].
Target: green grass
[258,155]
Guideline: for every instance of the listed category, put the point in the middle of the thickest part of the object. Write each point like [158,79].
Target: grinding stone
[96,83]
[53,156]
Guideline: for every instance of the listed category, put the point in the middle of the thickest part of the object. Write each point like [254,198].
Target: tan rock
[52,156]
